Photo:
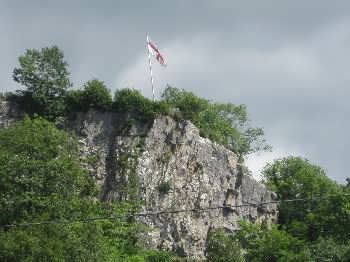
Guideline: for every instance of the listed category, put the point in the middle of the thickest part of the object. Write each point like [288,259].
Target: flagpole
[150,68]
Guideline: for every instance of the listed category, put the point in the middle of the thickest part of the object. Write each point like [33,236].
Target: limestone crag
[166,165]
[175,169]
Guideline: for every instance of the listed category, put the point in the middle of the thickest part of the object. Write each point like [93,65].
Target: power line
[155,213]
[161,212]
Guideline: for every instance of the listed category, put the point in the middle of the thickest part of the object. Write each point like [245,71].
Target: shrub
[131,101]
[226,124]
[328,250]
[95,95]
[74,101]
[164,187]
[262,244]
[189,104]
[222,247]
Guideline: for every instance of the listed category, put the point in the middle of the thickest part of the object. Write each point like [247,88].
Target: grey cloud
[286,60]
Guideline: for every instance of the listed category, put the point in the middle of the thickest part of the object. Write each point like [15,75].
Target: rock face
[166,165]
[170,167]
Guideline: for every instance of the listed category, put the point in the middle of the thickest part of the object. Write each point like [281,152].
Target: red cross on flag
[153,50]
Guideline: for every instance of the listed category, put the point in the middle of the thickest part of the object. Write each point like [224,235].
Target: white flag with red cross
[154,50]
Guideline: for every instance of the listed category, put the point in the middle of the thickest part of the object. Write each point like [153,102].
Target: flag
[153,50]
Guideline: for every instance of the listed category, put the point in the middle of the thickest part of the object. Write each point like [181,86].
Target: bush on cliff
[45,75]
[226,124]
[132,101]
[95,95]
[222,247]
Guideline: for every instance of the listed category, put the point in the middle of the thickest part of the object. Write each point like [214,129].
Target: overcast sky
[288,61]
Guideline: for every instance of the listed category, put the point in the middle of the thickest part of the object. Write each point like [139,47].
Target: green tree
[45,75]
[133,102]
[95,95]
[273,245]
[41,180]
[328,214]
[226,124]
[222,247]
[325,250]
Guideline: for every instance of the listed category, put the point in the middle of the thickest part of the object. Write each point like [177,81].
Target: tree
[143,109]
[327,214]
[41,180]
[223,247]
[325,250]
[45,74]
[224,123]
[95,95]
[273,245]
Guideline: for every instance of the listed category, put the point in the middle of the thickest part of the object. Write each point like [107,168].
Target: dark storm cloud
[286,60]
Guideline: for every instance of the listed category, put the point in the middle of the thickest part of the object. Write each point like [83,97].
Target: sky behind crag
[288,61]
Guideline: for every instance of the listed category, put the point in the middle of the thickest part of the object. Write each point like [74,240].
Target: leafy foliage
[41,179]
[328,250]
[294,177]
[142,108]
[45,74]
[95,95]
[222,247]
[307,231]
[263,244]
[226,124]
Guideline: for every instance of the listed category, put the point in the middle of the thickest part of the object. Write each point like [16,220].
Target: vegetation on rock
[95,95]
[45,75]
[41,180]
[226,124]
[223,247]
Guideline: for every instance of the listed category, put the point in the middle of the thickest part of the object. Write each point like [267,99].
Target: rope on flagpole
[150,68]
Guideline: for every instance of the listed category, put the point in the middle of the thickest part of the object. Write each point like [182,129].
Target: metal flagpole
[150,68]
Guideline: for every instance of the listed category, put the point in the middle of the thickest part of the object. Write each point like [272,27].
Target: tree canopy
[95,95]
[327,215]
[224,123]
[45,75]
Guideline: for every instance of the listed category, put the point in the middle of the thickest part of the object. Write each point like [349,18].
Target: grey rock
[170,167]
[200,174]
